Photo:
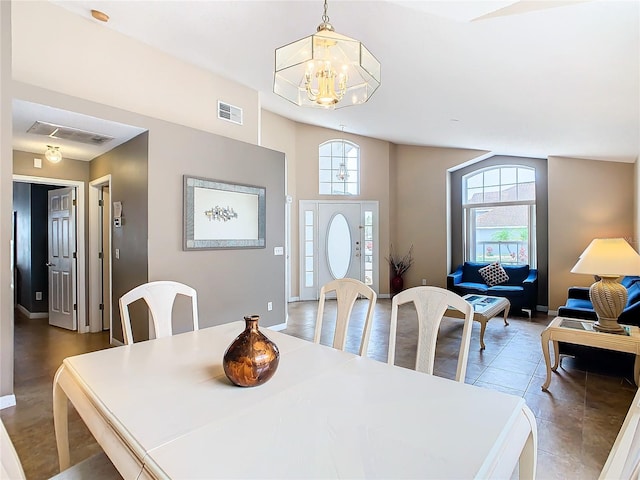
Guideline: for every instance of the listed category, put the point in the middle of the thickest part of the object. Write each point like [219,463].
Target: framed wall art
[219,215]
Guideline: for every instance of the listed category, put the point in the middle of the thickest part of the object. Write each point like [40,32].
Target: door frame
[80,260]
[95,272]
[303,205]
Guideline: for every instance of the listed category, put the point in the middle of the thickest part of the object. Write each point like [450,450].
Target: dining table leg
[529,455]
[61,421]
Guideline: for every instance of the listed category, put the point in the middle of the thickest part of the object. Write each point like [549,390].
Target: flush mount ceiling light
[53,154]
[326,70]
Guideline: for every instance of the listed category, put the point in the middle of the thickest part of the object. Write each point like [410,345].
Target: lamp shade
[608,257]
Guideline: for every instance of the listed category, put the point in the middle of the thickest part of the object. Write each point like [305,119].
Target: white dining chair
[96,467]
[159,296]
[347,292]
[430,304]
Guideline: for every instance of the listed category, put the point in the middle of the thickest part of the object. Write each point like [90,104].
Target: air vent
[229,113]
[68,133]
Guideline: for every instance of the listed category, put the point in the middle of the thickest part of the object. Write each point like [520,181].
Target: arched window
[499,215]
[339,168]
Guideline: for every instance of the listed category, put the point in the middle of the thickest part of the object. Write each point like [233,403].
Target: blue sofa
[579,306]
[521,289]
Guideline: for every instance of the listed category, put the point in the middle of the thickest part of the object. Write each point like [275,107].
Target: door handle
[49,264]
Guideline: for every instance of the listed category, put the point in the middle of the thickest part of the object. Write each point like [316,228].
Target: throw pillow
[493,274]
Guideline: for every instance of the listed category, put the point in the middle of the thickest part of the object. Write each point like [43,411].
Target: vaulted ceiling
[519,78]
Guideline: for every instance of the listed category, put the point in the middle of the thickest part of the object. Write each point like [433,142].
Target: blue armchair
[579,305]
[521,289]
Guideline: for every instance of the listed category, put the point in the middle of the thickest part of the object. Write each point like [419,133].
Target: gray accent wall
[230,283]
[128,166]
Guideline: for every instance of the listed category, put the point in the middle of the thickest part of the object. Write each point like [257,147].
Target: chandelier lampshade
[326,70]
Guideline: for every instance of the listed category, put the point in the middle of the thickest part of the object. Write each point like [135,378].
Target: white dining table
[165,409]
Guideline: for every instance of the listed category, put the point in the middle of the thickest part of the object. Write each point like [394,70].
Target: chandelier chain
[325,17]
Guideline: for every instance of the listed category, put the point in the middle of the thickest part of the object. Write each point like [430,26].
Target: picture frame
[223,215]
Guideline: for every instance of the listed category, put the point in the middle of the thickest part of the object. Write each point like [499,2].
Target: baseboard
[278,327]
[7,401]
[31,315]
[553,313]
[293,299]
[384,295]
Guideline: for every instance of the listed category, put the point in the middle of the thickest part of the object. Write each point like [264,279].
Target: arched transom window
[339,168]
[499,215]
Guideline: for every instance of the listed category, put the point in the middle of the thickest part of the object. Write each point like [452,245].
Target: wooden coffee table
[485,308]
[581,332]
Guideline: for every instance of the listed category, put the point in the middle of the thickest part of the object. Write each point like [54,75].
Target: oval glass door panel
[338,246]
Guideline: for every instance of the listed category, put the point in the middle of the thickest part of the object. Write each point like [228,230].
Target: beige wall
[110,68]
[6,200]
[374,181]
[422,206]
[279,133]
[587,199]
[67,169]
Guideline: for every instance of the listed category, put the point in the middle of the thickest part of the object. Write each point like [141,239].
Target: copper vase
[252,358]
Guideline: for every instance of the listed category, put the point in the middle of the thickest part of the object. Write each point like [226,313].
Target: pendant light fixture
[326,70]
[53,154]
[343,173]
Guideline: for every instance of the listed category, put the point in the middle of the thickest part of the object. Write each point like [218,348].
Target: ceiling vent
[229,113]
[68,133]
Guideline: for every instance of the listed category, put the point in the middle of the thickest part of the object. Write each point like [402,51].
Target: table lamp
[609,259]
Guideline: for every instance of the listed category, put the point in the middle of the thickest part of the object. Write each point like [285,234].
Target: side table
[580,332]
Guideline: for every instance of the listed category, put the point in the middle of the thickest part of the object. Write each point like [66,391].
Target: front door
[337,240]
[340,242]
[62,251]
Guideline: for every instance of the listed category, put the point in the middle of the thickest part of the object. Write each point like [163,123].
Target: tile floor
[578,419]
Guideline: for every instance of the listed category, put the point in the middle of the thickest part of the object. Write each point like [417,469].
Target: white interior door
[62,250]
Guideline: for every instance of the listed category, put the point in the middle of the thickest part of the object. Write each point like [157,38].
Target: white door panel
[62,245]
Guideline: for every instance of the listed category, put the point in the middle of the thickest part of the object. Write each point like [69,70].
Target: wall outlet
[270,306]
[424,281]
[117,253]
[38,295]
[278,250]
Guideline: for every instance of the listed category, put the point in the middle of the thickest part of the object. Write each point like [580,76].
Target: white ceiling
[531,78]
[26,113]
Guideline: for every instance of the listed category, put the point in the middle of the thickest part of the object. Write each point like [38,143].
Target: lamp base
[609,299]
[609,326]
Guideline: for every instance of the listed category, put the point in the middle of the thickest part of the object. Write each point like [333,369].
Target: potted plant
[398,265]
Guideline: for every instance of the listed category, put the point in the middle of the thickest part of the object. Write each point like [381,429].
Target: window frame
[336,160]
[469,229]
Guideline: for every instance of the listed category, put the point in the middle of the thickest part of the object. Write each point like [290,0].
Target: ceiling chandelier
[343,173]
[53,154]
[326,70]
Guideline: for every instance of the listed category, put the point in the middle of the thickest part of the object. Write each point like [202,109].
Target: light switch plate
[278,250]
